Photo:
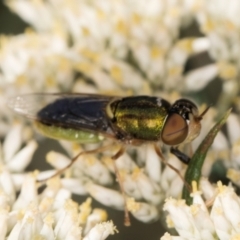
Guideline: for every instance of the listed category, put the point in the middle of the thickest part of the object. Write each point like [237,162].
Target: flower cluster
[219,22]
[145,188]
[49,215]
[197,222]
[116,47]
[127,47]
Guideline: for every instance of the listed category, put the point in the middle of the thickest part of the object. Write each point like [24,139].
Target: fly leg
[159,153]
[74,159]
[120,182]
[180,155]
[115,157]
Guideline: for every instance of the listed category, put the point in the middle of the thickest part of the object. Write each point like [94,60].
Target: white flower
[106,196]
[155,47]
[14,159]
[90,175]
[143,211]
[197,222]
[23,56]
[198,79]
[50,215]
[219,22]
[119,48]
[101,231]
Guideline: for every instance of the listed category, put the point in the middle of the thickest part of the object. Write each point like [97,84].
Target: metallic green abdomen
[140,117]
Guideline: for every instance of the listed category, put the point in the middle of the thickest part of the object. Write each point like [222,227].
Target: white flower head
[91,175]
[198,222]
[52,216]
[118,48]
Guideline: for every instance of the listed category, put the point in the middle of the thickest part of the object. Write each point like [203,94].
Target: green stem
[194,169]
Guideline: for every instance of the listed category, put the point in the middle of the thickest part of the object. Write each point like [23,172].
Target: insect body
[90,118]
[87,118]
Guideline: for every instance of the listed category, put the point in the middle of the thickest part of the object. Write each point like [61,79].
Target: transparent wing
[77,111]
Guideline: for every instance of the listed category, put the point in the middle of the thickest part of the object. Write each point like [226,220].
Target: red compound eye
[175,130]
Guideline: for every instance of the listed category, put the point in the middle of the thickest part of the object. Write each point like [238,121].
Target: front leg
[180,155]
[159,153]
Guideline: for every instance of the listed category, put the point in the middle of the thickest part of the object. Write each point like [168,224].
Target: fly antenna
[200,117]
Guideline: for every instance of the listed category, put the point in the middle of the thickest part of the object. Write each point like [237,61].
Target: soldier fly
[90,118]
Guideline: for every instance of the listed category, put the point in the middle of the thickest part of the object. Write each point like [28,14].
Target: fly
[90,118]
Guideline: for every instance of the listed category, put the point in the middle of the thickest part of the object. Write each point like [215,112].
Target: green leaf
[194,169]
